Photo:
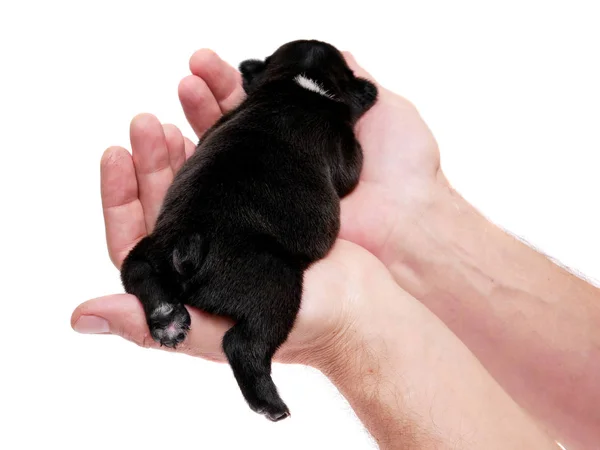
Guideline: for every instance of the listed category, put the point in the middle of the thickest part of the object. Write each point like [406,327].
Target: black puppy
[253,208]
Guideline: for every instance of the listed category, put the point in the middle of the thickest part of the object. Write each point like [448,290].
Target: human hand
[401,161]
[401,171]
[133,187]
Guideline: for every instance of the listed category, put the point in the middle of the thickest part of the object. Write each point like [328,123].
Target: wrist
[367,361]
[432,237]
[414,384]
[507,302]
[357,319]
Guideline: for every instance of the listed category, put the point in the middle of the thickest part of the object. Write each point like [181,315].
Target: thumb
[123,315]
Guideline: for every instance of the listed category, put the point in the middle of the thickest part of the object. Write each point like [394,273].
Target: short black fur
[253,208]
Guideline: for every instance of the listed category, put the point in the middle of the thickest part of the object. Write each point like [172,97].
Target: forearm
[534,325]
[415,385]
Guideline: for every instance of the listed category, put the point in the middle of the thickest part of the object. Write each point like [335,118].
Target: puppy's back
[260,172]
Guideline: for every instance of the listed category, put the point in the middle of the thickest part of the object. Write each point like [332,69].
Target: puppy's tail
[167,319]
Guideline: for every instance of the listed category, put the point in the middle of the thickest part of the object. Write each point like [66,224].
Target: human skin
[433,242]
[409,379]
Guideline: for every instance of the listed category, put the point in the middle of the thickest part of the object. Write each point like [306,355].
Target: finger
[123,315]
[175,146]
[199,104]
[190,148]
[152,165]
[224,81]
[123,213]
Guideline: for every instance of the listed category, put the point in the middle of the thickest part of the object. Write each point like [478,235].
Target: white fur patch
[162,310]
[311,85]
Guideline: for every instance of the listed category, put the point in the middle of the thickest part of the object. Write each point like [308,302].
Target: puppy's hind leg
[251,343]
[249,354]
[168,320]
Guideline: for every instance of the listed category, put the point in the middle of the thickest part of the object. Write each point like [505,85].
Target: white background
[511,92]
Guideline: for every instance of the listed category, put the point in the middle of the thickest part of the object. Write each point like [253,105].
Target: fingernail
[91,325]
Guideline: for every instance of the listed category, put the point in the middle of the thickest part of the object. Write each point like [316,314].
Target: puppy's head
[316,66]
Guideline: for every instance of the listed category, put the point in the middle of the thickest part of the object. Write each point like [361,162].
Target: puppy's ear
[251,70]
[363,95]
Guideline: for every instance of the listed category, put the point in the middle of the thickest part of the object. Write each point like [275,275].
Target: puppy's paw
[274,413]
[273,409]
[169,324]
[276,416]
